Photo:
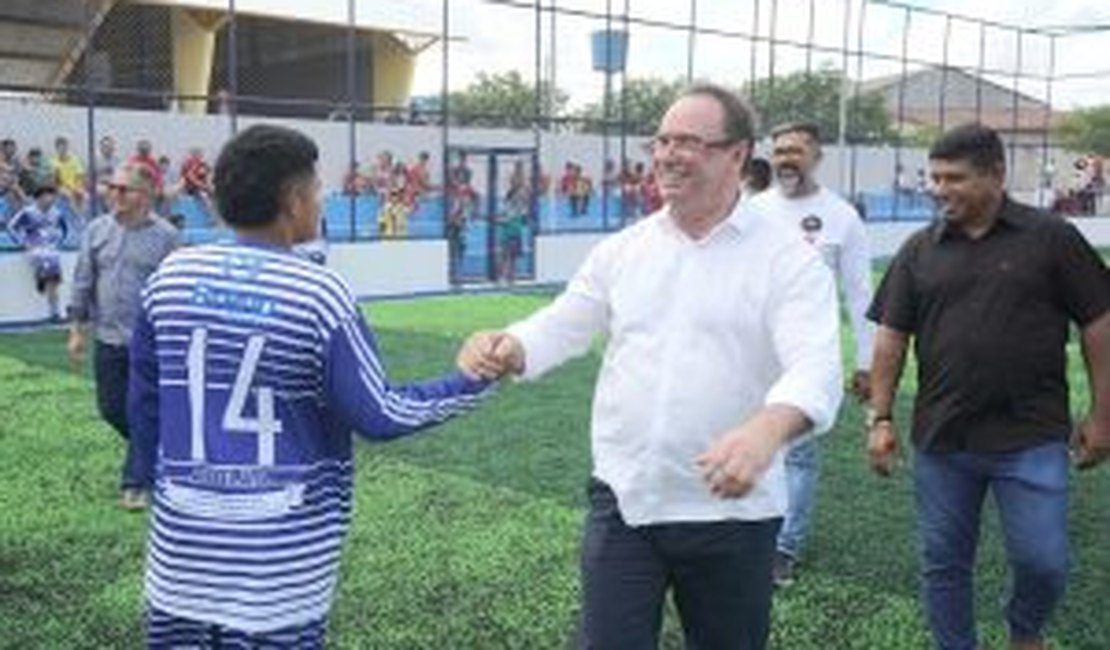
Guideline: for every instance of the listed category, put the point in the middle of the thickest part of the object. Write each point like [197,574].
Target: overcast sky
[499,39]
[496,38]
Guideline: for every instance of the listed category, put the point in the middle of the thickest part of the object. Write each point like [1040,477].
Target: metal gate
[491,214]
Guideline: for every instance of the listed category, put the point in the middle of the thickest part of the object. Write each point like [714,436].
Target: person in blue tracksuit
[250,367]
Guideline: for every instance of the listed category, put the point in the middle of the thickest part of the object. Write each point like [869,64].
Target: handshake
[490,355]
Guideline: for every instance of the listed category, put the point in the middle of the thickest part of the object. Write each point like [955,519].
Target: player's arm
[81,298]
[565,328]
[362,396]
[142,398]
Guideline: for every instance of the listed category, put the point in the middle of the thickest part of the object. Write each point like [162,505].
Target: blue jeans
[719,571]
[802,471]
[1030,490]
[110,367]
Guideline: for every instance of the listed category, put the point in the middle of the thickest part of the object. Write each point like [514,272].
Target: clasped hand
[490,355]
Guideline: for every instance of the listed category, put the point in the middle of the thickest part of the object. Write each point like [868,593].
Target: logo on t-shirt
[242,267]
[811,227]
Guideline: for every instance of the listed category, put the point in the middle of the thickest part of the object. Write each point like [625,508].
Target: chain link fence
[393,91]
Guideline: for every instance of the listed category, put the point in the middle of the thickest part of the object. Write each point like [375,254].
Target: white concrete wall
[370,268]
[392,267]
[19,302]
[885,238]
[395,268]
[558,256]
[36,123]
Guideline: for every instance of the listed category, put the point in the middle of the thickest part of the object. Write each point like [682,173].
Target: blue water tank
[610,50]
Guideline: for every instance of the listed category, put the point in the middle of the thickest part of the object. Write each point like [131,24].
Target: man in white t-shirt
[833,226]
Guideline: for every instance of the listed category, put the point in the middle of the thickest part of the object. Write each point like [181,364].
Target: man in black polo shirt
[987,294]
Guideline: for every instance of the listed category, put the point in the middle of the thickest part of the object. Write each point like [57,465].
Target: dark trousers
[110,367]
[1030,488]
[720,573]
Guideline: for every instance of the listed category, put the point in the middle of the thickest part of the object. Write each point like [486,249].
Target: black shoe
[782,571]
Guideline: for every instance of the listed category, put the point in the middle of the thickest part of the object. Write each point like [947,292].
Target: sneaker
[133,499]
[782,571]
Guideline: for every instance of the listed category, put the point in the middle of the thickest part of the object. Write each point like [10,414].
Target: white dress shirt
[832,225]
[701,335]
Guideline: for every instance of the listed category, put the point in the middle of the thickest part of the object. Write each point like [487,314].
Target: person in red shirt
[573,185]
[629,182]
[419,181]
[144,155]
[580,195]
[566,181]
[651,200]
[381,175]
[196,180]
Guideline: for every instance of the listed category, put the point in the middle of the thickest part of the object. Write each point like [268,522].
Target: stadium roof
[41,40]
[417,21]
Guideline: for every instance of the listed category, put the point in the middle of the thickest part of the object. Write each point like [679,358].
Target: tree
[645,101]
[795,97]
[1087,130]
[815,97]
[504,99]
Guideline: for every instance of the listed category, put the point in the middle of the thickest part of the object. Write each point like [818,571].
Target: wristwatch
[874,419]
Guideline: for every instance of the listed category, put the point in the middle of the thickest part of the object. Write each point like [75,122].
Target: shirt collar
[138,224]
[1007,216]
[737,222]
[252,241]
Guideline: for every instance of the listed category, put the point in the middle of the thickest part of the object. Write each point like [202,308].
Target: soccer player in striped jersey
[250,368]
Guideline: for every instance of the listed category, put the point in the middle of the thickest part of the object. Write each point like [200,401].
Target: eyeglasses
[685,143]
[122,189]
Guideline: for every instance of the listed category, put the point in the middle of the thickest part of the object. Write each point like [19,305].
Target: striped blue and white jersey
[250,368]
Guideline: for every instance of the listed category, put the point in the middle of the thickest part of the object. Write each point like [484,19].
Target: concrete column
[194,46]
[393,69]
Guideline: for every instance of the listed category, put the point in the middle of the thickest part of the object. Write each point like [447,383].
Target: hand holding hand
[1090,444]
[490,355]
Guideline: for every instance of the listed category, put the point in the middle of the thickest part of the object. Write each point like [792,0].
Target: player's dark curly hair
[256,168]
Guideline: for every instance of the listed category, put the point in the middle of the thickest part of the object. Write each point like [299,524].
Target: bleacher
[356,218]
[73,224]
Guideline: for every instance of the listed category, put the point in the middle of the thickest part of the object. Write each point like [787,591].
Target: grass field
[467,537]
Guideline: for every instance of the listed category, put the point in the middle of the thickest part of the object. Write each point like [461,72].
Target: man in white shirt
[722,346]
[832,226]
